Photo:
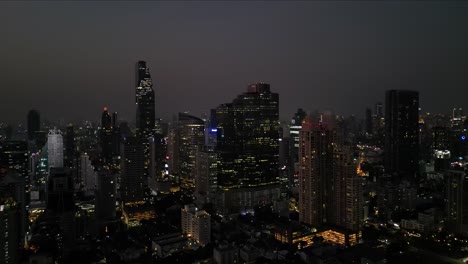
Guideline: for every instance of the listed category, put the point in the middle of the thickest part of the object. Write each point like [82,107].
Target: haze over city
[60,56]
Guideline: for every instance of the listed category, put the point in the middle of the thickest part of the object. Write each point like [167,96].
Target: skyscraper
[145,114]
[133,180]
[106,136]
[456,207]
[248,138]
[191,137]
[55,148]
[401,134]
[34,124]
[70,147]
[330,191]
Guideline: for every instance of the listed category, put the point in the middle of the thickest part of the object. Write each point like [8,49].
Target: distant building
[191,138]
[105,140]
[34,124]
[88,175]
[55,148]
[196,224]
[402,134]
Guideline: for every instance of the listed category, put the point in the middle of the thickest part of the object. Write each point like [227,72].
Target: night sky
[69,59]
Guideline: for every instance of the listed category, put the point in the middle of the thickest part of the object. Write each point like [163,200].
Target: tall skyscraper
[206,180]
[34,123]
[106,136]
[191,137]
[105,198]
[145,114]
[248,138]
[456,184]
[115,135]
[402,134]
[330,191]
[14,159]
[70,147]
[133,180]
[294,128]
[55,148]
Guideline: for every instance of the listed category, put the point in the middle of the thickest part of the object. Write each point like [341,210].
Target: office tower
[55,148]
[294,128]
[88,175]
[14,158]
[191,137]
[173,150]
[133,180]
[145,114]
[401,134]
[115,135]
[9,235]
[106,136]
[60,203]
[330,191]
[196,224]
[456,184]
[206,180]
[34,124]
[70,147]
[105,197]
[248,138]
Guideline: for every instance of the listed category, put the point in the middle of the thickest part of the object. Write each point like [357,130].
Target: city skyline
[338,56]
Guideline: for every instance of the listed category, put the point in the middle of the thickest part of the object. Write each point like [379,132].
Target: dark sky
[69,59]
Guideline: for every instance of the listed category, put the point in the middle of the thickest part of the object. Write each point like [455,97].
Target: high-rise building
[34,124]
[145,114]
[294,128]
[106,136]
[402,134]
[191,137]
[456,184]
[70,147]
[88,175]
[133,181]
[206,180]
[248,138]
[55,148]
[330,191]
[196,224]
[115,135]
[105,197]
[14,162]
[9,236]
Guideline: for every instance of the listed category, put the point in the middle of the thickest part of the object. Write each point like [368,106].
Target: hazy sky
[69,59]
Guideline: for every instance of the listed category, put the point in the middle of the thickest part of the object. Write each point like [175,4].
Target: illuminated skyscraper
[402,134]
[145,114]
[248,138]
[330,191]
[191,137]
[55,148]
